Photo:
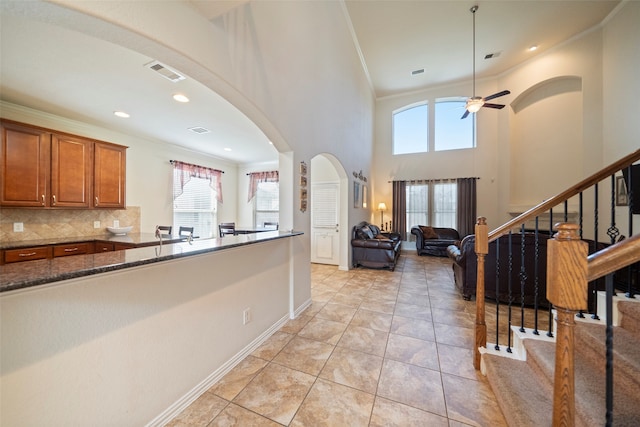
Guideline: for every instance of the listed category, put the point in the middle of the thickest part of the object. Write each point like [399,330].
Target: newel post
[482,249]
[567,291]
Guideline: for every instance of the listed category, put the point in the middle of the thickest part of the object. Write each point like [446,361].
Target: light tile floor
[376,348]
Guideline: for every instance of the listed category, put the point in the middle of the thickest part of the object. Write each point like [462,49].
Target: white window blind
[195,207]
[267,203]
[324,201]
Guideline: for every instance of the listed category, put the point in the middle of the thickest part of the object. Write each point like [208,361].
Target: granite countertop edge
[135,257]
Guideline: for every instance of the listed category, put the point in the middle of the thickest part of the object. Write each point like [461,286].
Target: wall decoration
[303,199]
[356,194]
[303,168]
[364,196]
[303,181]
[621,192]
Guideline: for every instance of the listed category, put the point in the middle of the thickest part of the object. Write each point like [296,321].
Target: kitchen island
[132,337]
[33,273]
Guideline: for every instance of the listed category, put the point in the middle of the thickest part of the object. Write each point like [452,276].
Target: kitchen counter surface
[134,238]
[27,274]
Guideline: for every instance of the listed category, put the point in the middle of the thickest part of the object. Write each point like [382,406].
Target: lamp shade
[382,206]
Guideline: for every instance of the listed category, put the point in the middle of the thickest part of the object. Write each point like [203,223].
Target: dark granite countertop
[134,238]
[27,274]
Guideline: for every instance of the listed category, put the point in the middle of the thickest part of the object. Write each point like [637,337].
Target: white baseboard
[186,400]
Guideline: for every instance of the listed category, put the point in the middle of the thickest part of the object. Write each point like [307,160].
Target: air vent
[199,129]
[416,72]
[165,71]
[492,55]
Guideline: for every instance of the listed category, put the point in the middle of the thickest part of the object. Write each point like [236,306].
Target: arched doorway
[329,218]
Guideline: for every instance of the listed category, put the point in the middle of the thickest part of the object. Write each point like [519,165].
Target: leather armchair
[373,248]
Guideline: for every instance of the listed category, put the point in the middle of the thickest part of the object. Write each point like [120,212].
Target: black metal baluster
[536,277]
[581,223]
[509,290]
[523,278]
[497,347]
[630,293]
[609,349]
[596,212]
[550,312]
[566,211]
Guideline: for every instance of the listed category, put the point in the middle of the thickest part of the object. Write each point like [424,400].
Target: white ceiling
[55,70]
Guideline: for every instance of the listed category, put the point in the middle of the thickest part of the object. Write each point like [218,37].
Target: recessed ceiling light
[227,149]
[532,48]
[270,143]
[180,97]
[121,114]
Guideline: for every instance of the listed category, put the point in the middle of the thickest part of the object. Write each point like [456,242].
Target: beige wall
[573,135]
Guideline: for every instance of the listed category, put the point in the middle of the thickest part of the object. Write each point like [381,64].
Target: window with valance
[183,172]
[255,178]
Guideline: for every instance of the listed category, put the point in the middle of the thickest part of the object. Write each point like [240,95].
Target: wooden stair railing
[483,237]
[568,271]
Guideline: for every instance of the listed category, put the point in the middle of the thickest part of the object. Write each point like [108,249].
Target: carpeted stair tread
[589,385]
[590,342]
[630,313]
[523,403]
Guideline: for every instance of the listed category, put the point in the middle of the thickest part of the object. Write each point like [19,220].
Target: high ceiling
[86,79]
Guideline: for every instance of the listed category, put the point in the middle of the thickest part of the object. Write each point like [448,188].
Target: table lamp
[382,207]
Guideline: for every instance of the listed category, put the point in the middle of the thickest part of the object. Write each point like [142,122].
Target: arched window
[411,129]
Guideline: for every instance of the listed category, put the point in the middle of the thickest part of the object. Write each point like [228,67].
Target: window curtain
[399,208]
[183,172]
[467,206]
[256,178]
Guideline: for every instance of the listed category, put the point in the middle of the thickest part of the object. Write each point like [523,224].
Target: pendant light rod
[473,10]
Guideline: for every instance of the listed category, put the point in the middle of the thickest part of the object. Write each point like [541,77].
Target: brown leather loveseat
[373,248]
[434,240]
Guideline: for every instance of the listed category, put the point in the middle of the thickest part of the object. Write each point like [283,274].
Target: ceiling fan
[476,102]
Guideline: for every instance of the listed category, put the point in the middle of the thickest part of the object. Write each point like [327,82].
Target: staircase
[530,402]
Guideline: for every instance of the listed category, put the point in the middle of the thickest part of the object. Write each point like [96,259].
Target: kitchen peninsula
[131,337]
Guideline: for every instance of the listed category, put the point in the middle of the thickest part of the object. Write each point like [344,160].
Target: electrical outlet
[116,223]
[246,316]
[18,227]
[96,224]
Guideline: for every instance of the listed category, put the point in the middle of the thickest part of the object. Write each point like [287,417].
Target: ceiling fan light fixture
[474,104]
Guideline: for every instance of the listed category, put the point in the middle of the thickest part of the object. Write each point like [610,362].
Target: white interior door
[325,227]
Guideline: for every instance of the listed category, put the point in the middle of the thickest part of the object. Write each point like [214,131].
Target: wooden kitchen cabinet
[71,171]
[73,249]
[49,169]
[27,254]
[103,247]
[109,176]
[25,166]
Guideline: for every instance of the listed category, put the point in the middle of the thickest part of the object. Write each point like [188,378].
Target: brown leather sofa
[373,248]
[434,240]
[465,268]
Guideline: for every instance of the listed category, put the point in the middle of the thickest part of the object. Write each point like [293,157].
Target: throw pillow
[368,232]
[429,233]
[380,237]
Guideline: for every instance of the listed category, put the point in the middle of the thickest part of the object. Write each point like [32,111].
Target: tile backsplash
[53,223]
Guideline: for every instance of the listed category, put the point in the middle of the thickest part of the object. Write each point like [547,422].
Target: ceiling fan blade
[496,106]
[497,95]
[464,116]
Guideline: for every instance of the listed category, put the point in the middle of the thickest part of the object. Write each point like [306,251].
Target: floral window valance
[183,172]
[257,177]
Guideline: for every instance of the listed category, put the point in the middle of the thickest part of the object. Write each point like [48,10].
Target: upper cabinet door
[109,176]
[71,171]
[24,166]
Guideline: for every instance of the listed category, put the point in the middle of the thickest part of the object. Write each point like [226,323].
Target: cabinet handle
[29,254]
[42,200]
[70,249]
[54,200]
[96,200]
